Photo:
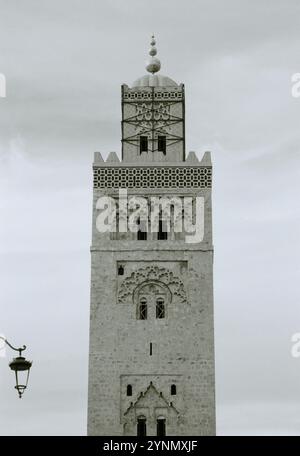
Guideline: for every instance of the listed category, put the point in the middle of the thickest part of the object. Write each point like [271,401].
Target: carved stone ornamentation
[127,288]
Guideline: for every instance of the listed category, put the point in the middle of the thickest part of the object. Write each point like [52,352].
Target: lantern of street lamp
[21,367]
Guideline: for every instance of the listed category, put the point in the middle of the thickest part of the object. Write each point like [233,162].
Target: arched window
[121,270]
[151,300]
[160,308]
[129,390]
[160,427]
[143,144]
[162,234]
[142,235]
[142,230]
[142,310]
[141,426]
[173,390]
[162,144]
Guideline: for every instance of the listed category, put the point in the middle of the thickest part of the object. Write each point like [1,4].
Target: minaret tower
[151,362]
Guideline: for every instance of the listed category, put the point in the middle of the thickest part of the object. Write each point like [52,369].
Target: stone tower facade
[151,362]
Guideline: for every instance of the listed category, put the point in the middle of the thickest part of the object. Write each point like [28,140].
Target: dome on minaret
[153,66]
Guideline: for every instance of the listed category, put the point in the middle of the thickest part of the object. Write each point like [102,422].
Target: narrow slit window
[150,348]
[160,308]
[173,390]
[143,310]
[162,144]
[129,390]
[143,144]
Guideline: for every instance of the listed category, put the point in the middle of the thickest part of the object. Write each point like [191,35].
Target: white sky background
[64,62]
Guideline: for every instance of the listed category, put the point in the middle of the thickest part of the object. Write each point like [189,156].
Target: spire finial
[153,64]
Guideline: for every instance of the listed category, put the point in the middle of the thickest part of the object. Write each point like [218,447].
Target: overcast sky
[64,62]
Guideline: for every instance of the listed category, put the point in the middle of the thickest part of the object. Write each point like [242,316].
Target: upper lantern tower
[153,124]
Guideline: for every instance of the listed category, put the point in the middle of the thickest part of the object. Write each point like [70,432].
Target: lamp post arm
[14,348]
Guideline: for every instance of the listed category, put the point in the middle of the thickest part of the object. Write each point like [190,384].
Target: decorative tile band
[156,95]
[153,177]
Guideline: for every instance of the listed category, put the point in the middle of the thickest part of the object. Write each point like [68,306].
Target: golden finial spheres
[153,64]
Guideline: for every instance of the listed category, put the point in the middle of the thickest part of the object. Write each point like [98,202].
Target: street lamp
[21,367]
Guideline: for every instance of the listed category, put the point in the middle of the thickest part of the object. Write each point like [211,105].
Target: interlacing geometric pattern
[150,95]
[148,274]
[153,177]
[152,118]
[156,396]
